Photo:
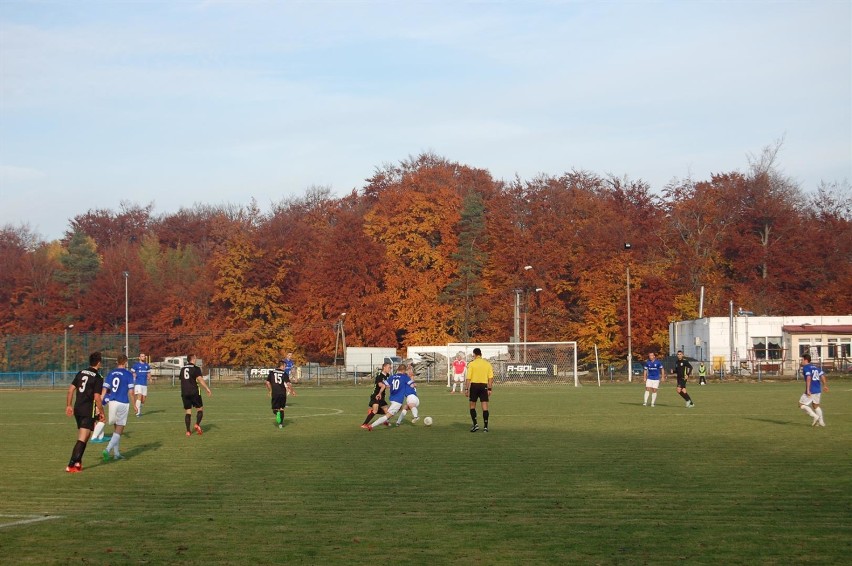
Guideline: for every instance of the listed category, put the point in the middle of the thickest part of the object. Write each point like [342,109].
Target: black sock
[77,452]
[188,420]
[473,415]
[199,414]
[370,415]
[684,395]
[687,397]
[485,418]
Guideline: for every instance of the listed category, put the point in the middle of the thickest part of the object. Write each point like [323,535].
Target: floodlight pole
[518,292]
[65,348]
[126,318]
[627,246]
[526,310]
[517,319]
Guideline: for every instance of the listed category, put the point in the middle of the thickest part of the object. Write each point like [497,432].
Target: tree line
[431,251]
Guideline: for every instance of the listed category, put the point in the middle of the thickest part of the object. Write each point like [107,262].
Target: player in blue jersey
[140,371]
[412,401]
[87,408]
[288,364]
[119,386]
[396,384]
[654,371]
[815,383]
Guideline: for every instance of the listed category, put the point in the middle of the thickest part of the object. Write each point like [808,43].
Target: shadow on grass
[770,421]
[142,448]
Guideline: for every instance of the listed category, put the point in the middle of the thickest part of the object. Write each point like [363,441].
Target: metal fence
[36,379]
[57,352]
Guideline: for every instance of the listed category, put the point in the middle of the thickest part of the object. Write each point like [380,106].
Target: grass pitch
[566,476]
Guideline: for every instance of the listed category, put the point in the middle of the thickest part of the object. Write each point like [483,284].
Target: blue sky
[187,102]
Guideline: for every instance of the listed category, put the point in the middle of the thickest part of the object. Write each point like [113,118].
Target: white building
[774,343]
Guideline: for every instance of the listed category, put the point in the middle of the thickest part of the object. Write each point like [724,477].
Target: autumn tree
[698,219]
[15,245]
[827,225]
[414,220]
[256,320]
[762,247]
[108,228]
[431,251]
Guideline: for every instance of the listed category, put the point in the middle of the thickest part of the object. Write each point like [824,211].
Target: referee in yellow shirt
[478,384]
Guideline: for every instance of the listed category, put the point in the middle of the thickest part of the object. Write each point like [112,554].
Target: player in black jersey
[683,369]
[190,378]
[278,385]
[377,399]
[88,407]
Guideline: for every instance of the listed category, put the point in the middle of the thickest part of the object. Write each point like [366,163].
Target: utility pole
[340,340]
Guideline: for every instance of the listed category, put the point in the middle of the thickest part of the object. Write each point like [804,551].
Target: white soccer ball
[427,421]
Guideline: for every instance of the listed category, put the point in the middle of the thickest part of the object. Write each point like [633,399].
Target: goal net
[527,363]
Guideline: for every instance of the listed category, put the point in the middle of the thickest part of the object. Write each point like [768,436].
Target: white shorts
[412,401]
[653,383]
[805,400]
[394,407]
[458,377]
[141,390]
[118,413]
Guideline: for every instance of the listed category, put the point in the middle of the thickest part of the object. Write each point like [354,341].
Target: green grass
[566,476]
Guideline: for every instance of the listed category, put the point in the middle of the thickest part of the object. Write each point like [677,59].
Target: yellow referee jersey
[479,371]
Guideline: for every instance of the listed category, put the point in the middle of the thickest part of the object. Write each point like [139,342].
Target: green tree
[80,266]
[471,256]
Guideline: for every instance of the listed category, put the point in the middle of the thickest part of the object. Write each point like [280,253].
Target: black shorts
[681,382]
[194,400]
[279,402]
[479,392]
[381,403]
[85,422]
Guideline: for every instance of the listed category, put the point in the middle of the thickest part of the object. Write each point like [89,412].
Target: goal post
[524,363]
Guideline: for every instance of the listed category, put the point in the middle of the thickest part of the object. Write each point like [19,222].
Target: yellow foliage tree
[256,320]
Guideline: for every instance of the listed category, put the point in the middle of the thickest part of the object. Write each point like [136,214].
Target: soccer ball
[427,421]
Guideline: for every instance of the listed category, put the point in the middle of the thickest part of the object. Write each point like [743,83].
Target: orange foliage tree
[414,219]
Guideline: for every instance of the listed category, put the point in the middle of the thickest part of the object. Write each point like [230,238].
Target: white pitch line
[31,519]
